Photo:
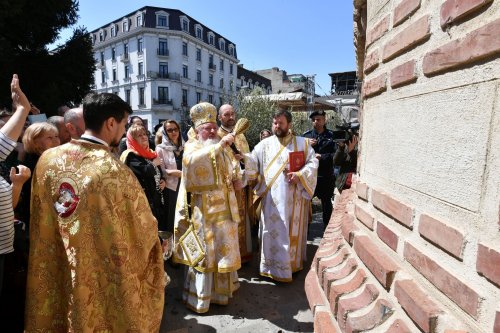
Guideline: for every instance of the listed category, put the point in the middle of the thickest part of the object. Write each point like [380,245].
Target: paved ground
[260,305]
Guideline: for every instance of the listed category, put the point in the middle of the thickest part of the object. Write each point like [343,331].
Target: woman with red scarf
[146,166]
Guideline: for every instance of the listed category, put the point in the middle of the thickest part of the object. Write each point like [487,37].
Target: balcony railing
[125,58]
[162,52]
[212,67]
[100,64]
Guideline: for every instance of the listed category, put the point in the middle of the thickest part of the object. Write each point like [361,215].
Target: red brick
[392,207]
[362,191]
[329,262]
[348,228]
[458,291]
[371,61]
[387,236]
[403,74]
[488,263]
[406,39]
[453,10]
[346,305]
[365,217]
[375,86]
[421,309]
[496,326]
[442,235]
[404,10]
[340,273]
[379,263]
[398,327]
[479,44]
[323,323]
[313,290]
[377,315]
[338,289]
[377,31]
[325,252]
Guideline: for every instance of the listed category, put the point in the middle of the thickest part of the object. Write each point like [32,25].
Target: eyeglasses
[172,130]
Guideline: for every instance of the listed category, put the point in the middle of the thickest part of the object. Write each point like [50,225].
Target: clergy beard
[209,142]
[280,133]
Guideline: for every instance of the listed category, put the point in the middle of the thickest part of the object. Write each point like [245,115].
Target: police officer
[322,142]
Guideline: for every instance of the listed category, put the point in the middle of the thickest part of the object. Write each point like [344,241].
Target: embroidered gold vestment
[95,262]
[244,198]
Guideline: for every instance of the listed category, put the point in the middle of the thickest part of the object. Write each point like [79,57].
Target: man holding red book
[287,167]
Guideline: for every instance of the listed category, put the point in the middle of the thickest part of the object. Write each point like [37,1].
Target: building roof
[174,24]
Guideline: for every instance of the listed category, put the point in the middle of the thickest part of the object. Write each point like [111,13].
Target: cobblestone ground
[260,305]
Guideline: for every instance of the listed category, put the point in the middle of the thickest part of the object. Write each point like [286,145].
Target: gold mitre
[202,113]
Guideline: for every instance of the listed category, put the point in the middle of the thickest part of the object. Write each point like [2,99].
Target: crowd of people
[87,193]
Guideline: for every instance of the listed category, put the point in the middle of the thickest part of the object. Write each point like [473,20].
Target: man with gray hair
[58,122]
[206,231]
[73,120]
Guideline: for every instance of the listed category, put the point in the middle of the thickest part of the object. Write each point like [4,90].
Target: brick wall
[415,245]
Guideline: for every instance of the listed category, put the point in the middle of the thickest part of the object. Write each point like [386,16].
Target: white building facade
[162,61]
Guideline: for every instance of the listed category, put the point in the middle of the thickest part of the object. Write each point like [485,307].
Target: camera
[345,132]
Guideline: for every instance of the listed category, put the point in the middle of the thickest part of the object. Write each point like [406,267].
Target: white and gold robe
[285,207]
[207,177]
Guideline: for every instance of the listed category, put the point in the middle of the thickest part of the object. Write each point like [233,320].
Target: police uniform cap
[317,113]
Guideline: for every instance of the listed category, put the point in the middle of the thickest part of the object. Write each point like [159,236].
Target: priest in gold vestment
[286,198]
[227,118]
[95,262]
[206,233]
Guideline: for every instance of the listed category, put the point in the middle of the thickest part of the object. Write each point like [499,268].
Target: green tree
[257,108]
[50,78]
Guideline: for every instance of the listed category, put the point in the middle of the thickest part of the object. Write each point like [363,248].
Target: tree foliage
[258,109]
[50,78]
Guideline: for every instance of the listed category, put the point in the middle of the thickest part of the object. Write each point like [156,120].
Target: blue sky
[306,37]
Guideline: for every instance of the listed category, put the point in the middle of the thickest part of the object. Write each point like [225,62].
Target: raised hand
[18,97]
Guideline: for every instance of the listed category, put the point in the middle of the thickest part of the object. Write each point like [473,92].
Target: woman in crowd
[170,152]
[9,194]
[265,134]
[37,138]
[146,166]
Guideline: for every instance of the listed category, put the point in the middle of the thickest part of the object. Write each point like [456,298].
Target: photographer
[321,139]
[346,156]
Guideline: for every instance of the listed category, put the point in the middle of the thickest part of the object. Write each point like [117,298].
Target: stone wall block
[364,216]
[324,322]
[377,31]
[348,228]
[442,235]
[479,44]
[403,10]
[347,305]
[398,326]
[412,35]
[375,259]
[420,307]
[454,10]
[388,236]
[457,290]
[336,273]
[375,86]
[313,290]
[380,312]
[339,288]
[403,74]
[394,208]
[488,263]
[371,61]
[362,191]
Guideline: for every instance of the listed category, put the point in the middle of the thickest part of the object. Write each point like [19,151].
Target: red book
[297,160]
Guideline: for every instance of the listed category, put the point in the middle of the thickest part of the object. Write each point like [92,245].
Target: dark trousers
[324,191]
[327,206]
